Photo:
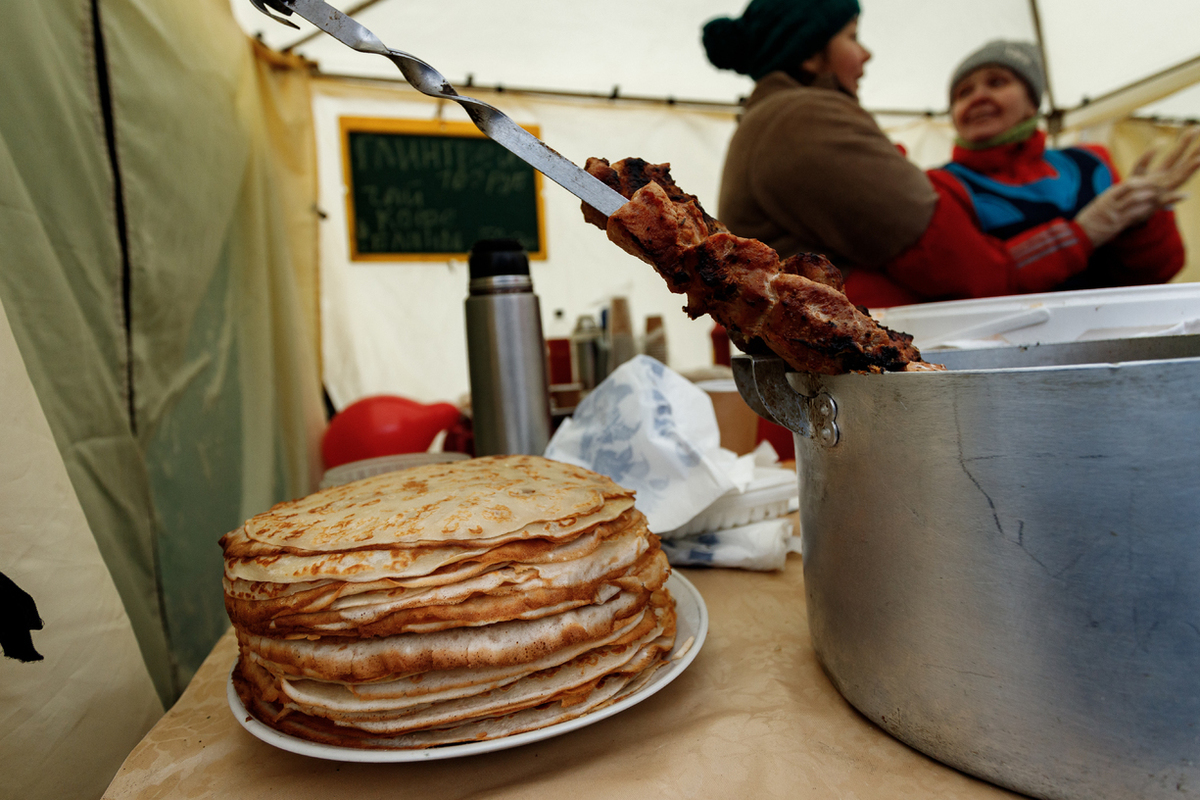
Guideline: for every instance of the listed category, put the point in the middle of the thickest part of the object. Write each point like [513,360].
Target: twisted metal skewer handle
[265,7]
[496,125]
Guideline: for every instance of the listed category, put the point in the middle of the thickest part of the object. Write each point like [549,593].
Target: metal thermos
[510,392]
[585,353]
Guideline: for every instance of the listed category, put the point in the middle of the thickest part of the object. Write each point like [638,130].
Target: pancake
[446,603]
[364,659]
[426,687]
[248,559]
[318,711]
[382,609]
[461,501]
[323,731]
[433,709]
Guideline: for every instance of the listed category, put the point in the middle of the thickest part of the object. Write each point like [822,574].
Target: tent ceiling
[1098,47]
[1184,104]
[653,49]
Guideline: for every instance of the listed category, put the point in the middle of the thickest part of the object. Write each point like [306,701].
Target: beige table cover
[753,716]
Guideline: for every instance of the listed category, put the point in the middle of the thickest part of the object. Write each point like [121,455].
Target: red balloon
[383,425]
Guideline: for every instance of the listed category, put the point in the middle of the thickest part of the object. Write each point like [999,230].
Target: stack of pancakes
[446,603]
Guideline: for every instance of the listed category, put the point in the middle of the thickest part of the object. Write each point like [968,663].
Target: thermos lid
[490,258]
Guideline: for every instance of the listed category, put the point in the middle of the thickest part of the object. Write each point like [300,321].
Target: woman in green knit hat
[808,170]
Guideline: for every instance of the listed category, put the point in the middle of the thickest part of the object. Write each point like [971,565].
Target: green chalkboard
[422,190]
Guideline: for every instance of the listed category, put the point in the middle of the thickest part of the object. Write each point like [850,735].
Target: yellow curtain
[157,244]
[285,103]
[1128,141]
[214,147]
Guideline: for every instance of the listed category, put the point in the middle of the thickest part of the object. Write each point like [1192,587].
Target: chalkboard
[427,190]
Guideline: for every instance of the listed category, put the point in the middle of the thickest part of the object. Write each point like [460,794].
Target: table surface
[754,715]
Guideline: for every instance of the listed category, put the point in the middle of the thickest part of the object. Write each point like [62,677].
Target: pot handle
[762,382]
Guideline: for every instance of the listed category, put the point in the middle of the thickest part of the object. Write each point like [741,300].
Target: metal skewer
[495,124]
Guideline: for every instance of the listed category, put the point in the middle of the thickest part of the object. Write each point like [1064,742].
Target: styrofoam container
[773,492]
[1052,317]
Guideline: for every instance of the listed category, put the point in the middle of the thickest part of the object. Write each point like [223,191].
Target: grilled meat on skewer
[795,307]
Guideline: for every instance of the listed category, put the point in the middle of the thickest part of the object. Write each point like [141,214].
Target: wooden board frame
[424,128]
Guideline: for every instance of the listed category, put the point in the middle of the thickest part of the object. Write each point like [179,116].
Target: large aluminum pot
[1002,561]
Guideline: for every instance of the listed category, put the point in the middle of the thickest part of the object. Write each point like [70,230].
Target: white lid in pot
[1050,317]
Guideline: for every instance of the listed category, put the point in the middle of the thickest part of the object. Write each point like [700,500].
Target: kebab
[794,307]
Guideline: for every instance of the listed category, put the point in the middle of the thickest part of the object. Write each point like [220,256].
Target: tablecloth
[753,716]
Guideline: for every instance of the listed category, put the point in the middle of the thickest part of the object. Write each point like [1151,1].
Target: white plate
[691,628]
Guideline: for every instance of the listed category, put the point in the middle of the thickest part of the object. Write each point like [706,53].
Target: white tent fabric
[654,50]
[398,327]
[79,696]
[560,66]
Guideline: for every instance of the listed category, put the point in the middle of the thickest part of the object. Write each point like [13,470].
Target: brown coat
[808,170]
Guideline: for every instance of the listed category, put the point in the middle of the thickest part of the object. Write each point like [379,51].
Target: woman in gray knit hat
[1014,217]
[808,170]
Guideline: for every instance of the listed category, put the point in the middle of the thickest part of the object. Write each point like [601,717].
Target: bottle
[720,346]
[604,363]
[585,346]
[506,352]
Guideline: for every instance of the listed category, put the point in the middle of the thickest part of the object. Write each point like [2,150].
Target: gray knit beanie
[1022,58]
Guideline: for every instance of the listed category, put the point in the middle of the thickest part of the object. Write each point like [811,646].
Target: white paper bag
[652,430]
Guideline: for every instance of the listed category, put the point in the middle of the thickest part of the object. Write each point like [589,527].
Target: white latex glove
[1146,191]
[1118,207]
[1177,167]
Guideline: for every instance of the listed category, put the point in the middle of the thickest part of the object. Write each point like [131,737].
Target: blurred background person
[808,169]
[1014,217]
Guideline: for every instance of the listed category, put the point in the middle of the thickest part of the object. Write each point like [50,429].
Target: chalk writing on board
[419,189]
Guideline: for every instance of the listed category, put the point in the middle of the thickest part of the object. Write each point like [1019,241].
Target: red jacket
[954,259]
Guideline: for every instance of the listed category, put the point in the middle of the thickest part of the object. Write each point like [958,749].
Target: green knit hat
[775,34]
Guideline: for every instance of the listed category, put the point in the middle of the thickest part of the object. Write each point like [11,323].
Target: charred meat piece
[631,174]
[795,307]
[814,267]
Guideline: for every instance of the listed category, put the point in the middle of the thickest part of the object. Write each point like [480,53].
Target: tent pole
[1124,101]
[1054,115]
[716,106]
